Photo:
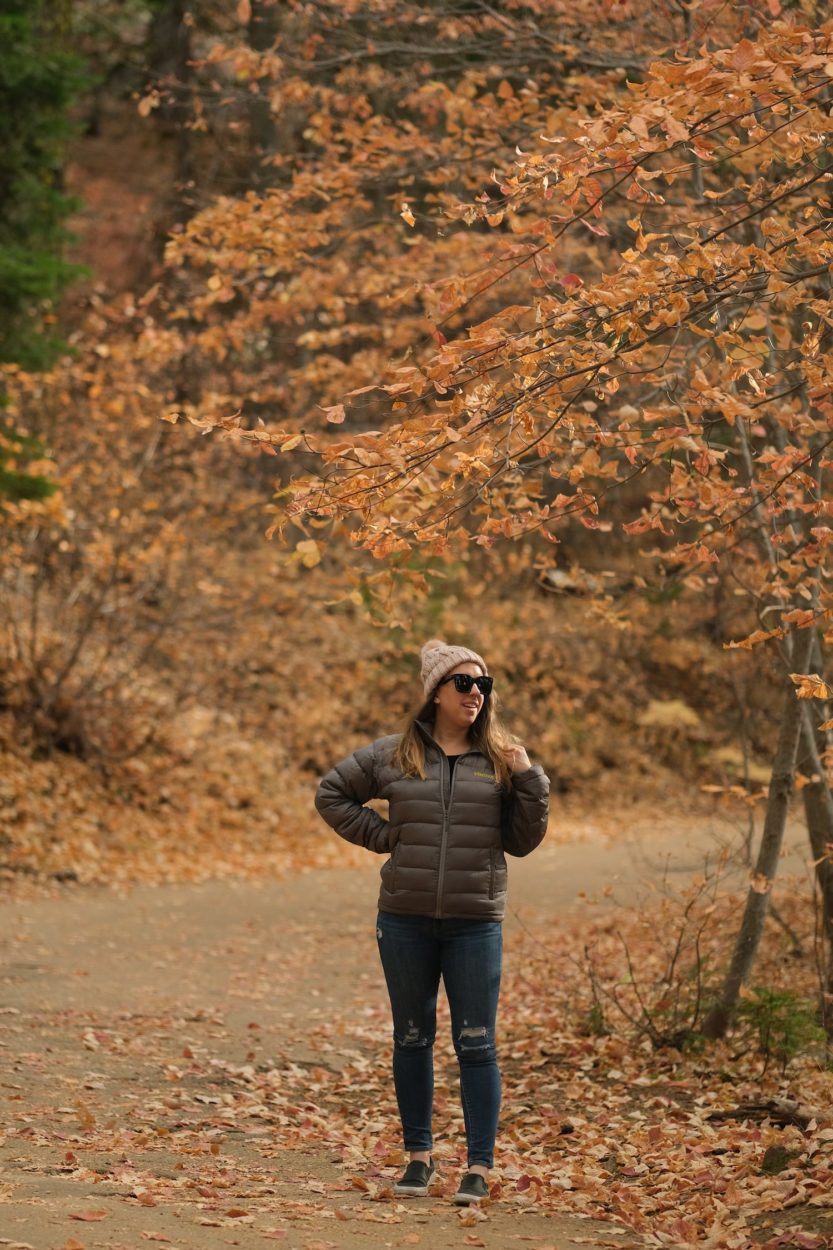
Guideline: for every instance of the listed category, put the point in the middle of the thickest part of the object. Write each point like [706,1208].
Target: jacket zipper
[444,837]
[446,822]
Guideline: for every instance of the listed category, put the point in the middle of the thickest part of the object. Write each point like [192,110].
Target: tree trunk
[766,867]
[184,202]
[818,809]
[263,29]
[169,67]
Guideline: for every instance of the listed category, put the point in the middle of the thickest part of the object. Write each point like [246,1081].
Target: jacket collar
[426,728]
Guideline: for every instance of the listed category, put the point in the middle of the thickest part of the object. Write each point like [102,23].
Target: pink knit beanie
[438,658]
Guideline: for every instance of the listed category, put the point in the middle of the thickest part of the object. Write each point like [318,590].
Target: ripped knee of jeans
[474,1039]
[413,1038]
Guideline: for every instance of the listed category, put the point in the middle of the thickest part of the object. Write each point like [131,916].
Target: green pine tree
[40,77]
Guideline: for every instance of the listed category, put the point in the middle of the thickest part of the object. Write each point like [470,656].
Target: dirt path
[155,1044]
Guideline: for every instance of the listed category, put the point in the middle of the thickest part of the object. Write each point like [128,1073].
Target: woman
[461,790]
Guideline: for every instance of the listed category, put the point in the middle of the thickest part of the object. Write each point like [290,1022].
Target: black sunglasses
[463,683]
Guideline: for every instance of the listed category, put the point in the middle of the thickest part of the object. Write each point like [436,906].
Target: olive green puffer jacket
[445,838]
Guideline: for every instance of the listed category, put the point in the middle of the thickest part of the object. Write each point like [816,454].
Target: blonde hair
[487,734]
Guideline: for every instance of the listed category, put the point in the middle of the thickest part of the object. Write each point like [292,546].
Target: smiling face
[456,713]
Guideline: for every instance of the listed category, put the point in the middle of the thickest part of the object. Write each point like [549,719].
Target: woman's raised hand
[517,759]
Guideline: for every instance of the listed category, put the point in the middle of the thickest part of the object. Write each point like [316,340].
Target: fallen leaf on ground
[472,1216]
[88,1215]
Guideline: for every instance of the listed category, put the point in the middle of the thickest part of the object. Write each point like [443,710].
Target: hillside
[174,683]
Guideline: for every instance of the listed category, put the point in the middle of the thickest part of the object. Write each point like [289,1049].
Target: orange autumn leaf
[811,686]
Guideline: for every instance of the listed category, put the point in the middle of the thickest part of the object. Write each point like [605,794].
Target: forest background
[328,328]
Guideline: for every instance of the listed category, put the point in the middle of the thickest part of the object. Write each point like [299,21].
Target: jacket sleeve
[525,811]
[341,796]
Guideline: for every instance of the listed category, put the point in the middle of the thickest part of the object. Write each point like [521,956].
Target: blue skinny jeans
[415,952]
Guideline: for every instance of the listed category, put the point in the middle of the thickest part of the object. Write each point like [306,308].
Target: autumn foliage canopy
[654,277]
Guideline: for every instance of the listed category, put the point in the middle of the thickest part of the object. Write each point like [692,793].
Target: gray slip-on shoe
[473,1188]
[415,1179]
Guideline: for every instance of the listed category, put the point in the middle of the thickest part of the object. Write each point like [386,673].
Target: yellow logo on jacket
[490,776]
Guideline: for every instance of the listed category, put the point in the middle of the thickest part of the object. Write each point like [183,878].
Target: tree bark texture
[818,810]
[766,866]
[263,30]
[184,86]
[169,66]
